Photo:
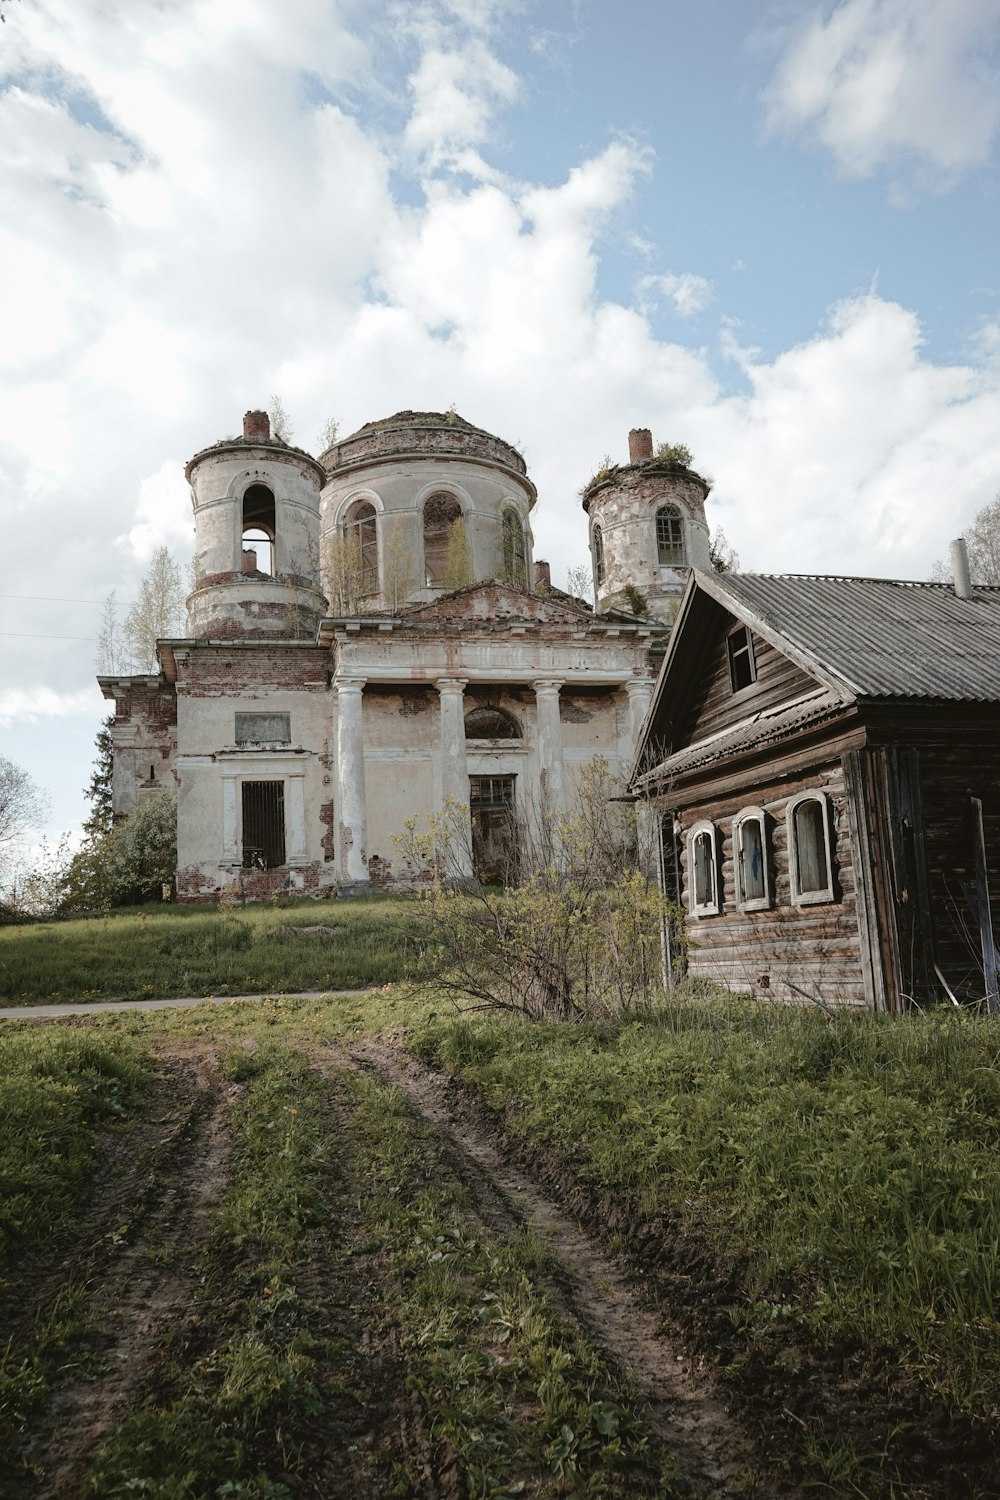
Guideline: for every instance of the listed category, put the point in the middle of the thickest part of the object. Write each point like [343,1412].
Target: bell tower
[647,527]
[256,513]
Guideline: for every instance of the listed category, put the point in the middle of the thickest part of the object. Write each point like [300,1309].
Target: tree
[676,455]
[723,557]
[580,581]
[458,559]
[579,936]
[982,540]
[281,426]
[159,609]
[329,435]
[98,790]
[141,851]
[22,804]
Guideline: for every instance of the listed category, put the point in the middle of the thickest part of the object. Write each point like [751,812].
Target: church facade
[369,639]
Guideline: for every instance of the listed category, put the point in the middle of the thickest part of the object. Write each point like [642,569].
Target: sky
[766,230]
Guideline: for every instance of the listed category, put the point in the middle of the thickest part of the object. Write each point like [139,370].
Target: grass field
[155,951]
[236,1260]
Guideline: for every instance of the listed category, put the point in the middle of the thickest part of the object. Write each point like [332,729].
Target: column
[353,815]
[230,822]
[640,693]
[295,818]
[455,771]
[550,747]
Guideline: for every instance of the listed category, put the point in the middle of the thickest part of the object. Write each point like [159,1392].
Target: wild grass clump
[161,951]
[58,1088]
[852,1168]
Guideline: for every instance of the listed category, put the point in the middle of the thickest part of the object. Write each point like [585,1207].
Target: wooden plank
[983,897]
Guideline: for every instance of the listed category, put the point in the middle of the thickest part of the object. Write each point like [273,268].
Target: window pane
[742,668]
[704,882]
[752,860]
[810,847]
[669,536]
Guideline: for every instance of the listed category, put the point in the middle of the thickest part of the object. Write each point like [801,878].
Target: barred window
[263,824]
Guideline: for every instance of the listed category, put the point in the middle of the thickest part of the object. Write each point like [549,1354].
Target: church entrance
[494,829]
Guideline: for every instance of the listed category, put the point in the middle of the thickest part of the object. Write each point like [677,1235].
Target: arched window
[810,861]
[361,532]
[491,724]
[670,537]
[258,529]
[441,511]
[703,871]
[753,885]
[515,555]
[598,556]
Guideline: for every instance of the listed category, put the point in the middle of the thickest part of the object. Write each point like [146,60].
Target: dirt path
[144,1242]
[687,1412]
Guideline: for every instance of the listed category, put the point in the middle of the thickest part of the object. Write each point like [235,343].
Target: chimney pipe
[543,577]
[640,445]
[249,564]
[257,427]
[960,568]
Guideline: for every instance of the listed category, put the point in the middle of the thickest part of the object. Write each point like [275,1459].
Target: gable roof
[495,601]
[876,637]
[860,639]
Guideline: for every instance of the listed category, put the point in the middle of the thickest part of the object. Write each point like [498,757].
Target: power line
[26,635]
[55,599]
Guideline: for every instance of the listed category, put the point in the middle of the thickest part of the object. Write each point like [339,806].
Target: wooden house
[824,754]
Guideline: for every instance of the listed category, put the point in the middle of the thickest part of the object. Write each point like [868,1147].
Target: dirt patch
[686,1409]
[140,1259]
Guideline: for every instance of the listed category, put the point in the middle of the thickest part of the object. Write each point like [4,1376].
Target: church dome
[421,434]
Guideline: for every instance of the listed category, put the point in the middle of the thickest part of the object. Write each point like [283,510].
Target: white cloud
[163,514]
[884,82]
[689,292]
[33,705]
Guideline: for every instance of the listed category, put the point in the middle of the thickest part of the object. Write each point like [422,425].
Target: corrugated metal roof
[880,637]
[762,728]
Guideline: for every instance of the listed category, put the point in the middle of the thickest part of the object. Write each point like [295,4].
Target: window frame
[745,816]
[696,908]
[671,537]
[597,547]
[819,896]
[439,544]
[514,547]
[364,529]
[750,654]
[248,784]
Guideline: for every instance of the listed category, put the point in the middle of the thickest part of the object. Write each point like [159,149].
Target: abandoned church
[369,638]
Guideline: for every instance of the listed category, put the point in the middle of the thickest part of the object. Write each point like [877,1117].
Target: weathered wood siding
[959,756]
[816,947]
[779,680]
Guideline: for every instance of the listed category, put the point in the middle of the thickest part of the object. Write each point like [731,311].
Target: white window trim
[808,898]
[709,908]
[754,903]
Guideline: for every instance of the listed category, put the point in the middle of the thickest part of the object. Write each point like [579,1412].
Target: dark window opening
[152,773]
[515,556]
[670,537]
[742,666]
[491,724]
[441,512]
[598,556]
[263,729]
[494,837]
[263,825]
[361,530]
[258,529]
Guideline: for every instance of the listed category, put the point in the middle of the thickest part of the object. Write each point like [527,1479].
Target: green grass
[852,1170]
[161,951]
[59,1089]
[523,1400]
[228,1422]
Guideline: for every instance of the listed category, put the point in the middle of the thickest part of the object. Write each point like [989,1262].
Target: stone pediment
[496,603]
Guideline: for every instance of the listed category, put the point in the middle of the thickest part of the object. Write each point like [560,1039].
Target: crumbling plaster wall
[144,735]
[214,684]
[625,507]
[398,492]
